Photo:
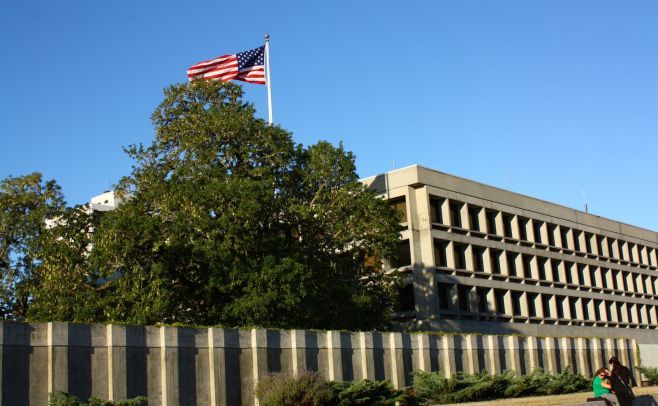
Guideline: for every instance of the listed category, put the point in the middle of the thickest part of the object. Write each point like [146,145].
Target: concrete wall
[215,366]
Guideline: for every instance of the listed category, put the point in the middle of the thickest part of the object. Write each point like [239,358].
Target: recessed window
[440,252]
[482,299]
[527,266]
[511,263]
[406,302]
[455,213]
[436,214]
[516,302]
[491,221]
[523,224]
[400,206]
[445,297]
[460,255]
[546,305]
[464,295]
[404,254]
[478,259]
[474,217]
[499,296]
[507,225]
[495,261]
[551,234]
[536,226]
[564,236]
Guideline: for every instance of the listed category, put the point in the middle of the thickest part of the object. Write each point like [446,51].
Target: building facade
[482,259]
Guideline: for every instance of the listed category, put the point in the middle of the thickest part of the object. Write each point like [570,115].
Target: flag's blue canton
[254,57]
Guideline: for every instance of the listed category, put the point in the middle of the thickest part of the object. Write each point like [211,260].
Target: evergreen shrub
[433,386]
[650,373]
[65,399]
[310,388]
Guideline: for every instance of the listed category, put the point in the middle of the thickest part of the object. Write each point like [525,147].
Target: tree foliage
[228,222]
[26,203]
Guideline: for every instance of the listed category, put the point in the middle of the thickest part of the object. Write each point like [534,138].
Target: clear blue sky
[545,98]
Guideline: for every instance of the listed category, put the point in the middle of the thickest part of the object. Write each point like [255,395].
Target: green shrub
[650,373]
[65,399]
[308,388]
[366,392]
[433,386]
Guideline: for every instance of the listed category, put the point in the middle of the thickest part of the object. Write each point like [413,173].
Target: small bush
[366,392]
[433,386]
[308,388]
[311,389]
[65,399]
[650,373]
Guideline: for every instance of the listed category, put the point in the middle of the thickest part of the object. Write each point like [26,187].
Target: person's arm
[606,384]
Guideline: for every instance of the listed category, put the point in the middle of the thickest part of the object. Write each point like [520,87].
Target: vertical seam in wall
[163,367]
[211,366]
[394,363]
[293,346]
[110,367]
[364,357]
[49,343]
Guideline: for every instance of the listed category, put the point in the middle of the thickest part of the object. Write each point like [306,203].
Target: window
[491,221]
[536,225]
[507,225]
[541,267]
[455,213]
[588,243]
[599,244]
[460,255]
[527,266]
[499,297]
[564,236]
[560,306]
[611,251]
[404,254]
[495,261]
[586,303]
[532,299]
[406,301]
[463,294]
[568,267]
[474,217]
[546,305]
[440,253]
[555,269]
[551,234]
[523,224]
[516,302]
[436,214]
[576,240]
[478,259]
[400,205]
[445,297]
[511,263]
[573,303]
[482,299]
[581,274]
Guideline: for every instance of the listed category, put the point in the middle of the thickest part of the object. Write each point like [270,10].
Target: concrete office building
[483,259]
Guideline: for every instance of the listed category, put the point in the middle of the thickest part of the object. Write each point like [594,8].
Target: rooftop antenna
[585,199]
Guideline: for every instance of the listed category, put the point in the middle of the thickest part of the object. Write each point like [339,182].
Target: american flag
[248,66]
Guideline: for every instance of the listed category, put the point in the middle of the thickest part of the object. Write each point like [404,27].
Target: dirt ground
[569,399]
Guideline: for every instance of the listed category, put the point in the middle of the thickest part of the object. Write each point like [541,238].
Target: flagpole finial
[267,36]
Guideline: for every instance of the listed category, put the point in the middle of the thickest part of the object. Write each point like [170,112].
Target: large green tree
[27,203]
[226,221]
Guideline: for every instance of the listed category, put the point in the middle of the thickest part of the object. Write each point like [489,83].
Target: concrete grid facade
[483,259]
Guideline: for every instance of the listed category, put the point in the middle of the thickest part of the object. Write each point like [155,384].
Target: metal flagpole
[269,82]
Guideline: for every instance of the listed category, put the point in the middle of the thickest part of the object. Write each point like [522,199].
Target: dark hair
[599,371]
[615,362]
